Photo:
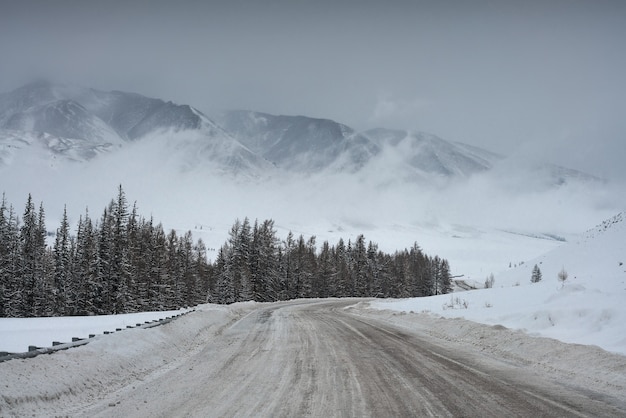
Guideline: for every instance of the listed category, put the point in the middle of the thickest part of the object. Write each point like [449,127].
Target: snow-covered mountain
[65,122]
[428,154]
[77,123]
[300,143]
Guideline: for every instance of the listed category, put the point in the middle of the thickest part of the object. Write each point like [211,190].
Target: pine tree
[120,263]
[341,284]
[536,274]
[173,297]
[326,277]
[63,290]
[225,291]
[444,270]
[359,268]
[202,273]
[106,303]
[159,287]
[30,271]
[89,286]
[288,268]
[8,240]
[10,262]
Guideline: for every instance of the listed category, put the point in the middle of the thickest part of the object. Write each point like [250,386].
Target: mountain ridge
[248,143]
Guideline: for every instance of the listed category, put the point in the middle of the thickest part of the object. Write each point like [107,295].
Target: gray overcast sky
[538,78]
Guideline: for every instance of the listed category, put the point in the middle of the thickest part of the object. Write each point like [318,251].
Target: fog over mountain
[72,145]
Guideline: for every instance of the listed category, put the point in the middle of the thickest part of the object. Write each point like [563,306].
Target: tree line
[123,263]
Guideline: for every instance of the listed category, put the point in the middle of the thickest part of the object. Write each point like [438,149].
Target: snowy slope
[429,154]
[587,309]
[31,148]
[88,122]
[300,143]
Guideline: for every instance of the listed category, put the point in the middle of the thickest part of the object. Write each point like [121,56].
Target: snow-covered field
[17,334]
[587,309]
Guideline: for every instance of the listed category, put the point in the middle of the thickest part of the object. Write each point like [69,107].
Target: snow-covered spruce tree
[157,286]
[257,278]
[444,271]
[202,273]
[240,239]
[5,245]
[287,268]
[327,272]
[174,285]
[120,257]
[421,282]
[342,261]
[225,291]
[536,274]
[31,271]
[86,264]
[301,278]
[190,279]
[8,241]
[374,270]
[104,304]
[360,267]
[64,291]
[264,262]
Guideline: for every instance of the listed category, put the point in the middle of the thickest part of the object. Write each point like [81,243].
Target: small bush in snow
[562,276]
[456,303]
[489,281]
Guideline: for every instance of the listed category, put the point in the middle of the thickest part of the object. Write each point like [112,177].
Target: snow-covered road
[317,358]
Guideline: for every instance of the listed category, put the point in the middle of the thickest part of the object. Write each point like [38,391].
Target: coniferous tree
[374,271]
[31,262]
[173,284]
[327,272]
[10,263]
[202,273]
[87,278]
[158,287]
[536,274]
[8,242]
[444,271]
[225,291]
[342,278]
[359,268]
[63,290]
[120,263]
[126,264]
[104,304]
[288,268]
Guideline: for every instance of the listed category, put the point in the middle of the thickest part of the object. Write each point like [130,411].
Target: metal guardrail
[34,351]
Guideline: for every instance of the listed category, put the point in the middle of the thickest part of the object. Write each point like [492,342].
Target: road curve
[314,358]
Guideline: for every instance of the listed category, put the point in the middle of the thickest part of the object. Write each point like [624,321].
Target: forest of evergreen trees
[124,263]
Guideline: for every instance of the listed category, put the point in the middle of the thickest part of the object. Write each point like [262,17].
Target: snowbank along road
[313,358]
